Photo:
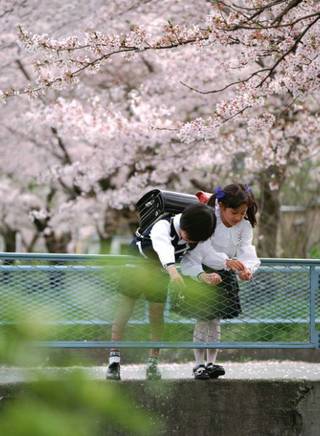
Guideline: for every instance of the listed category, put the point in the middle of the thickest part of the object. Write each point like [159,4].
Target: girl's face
[231,217]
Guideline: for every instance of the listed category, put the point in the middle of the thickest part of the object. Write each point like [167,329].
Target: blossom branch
[291,49]
[168,42]
[237,82]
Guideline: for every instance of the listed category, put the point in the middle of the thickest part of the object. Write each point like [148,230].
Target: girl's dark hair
[234,196]
[198,221]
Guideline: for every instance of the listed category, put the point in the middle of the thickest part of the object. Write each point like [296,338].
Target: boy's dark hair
[234,196]
[198,221]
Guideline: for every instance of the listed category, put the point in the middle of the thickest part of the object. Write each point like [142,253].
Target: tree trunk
[57,244]
[10,241]
[269,220]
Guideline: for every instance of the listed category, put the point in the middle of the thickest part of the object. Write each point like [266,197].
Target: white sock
[114,357]
[214,334]
[153,360]
[200,335]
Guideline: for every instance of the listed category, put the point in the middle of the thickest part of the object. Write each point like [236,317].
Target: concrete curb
[253,399]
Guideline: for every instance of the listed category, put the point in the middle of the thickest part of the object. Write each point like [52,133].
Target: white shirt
[226,243]
[162,240]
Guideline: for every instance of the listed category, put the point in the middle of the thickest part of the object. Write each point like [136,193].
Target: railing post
[314,283]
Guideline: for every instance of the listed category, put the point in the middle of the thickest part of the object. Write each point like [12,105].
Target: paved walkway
[262,370]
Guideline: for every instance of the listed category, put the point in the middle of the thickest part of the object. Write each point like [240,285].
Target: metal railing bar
[187,345]
[170,321]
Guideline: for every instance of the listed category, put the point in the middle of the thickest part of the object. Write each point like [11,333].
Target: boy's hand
[175,277]
[210,279]
[245,275]
[235,265]
[177,280]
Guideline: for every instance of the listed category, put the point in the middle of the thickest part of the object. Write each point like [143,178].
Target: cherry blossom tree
[137,94]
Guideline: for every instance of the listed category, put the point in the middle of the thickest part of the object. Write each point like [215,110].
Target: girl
[217,261]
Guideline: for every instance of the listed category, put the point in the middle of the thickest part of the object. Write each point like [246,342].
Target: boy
[162,246]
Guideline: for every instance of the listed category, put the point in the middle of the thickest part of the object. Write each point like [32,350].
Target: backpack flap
[176,202]
[156,204]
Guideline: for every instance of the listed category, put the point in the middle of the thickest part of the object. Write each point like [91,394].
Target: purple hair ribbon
[247,189]
[219,192]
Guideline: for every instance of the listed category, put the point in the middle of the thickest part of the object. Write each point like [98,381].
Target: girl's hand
[245,275]
[210,279]
[235,265]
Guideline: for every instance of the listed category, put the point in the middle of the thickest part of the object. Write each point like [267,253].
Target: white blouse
[226,243]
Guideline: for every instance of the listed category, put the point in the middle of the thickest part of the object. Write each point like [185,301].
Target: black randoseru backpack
[157,204]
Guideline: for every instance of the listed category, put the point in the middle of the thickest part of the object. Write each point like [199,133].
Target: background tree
[138,99]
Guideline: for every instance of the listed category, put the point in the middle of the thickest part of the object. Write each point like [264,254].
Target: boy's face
[185,237]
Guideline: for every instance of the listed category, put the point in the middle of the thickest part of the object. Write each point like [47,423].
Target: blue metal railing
[280,306]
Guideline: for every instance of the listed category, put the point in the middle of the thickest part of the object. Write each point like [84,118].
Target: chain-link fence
[78,297]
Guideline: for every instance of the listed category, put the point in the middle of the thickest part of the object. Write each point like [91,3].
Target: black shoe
[153,372]
[200,372]
[215,371]
[113,371]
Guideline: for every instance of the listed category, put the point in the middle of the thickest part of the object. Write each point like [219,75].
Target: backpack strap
[173,234]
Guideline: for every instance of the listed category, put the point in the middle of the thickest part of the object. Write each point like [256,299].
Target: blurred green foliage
[72,404]
[315,252]
[63,404]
